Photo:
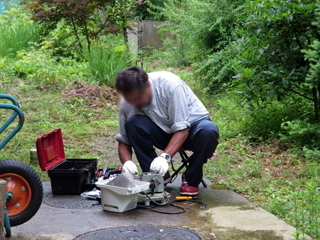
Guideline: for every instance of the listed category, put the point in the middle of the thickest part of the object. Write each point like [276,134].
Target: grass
[84,129]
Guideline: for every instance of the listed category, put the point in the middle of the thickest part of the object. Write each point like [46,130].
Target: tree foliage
[119,14]
[148,10]
[82,16]
[204,31]
[271,62]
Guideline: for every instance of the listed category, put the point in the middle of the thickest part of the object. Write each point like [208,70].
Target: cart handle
[17,111]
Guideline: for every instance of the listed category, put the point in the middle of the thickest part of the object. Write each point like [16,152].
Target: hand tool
[186,197]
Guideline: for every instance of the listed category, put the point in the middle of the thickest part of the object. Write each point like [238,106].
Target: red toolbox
[68,176]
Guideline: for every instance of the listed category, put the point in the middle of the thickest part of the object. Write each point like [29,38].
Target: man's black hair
[131,78]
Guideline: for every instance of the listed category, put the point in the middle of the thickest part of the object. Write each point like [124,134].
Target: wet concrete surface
[227,216]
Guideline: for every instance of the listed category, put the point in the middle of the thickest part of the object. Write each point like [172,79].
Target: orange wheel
[21,192]
[26,188]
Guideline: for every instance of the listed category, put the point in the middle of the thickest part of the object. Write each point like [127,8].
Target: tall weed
[105,60]
[17,31]
[307,212]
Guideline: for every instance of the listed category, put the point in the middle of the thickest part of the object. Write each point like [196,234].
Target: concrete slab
[227,216]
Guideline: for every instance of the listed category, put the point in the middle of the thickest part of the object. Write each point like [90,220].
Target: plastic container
[120,199]
[68,176]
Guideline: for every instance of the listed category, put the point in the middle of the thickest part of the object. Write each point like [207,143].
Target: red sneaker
[186,189]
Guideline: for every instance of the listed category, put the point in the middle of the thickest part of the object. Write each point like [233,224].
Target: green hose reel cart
[24,188]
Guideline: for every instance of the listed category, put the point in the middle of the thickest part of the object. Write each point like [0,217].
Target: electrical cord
[152,206]
[203,205]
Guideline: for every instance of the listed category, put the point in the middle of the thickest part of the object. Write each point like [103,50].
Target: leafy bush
[303,133]
[204,32]
[235,118]
[271,64]
[106,59]
[215,71]
[206,25]
[148,10]
[45,71]
[265,123]
[173,53]
[62,42]
[17,31]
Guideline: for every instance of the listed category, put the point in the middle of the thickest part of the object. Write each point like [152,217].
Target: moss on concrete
[219,186]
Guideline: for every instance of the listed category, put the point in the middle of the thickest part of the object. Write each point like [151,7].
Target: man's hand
[159,164]
[129,166]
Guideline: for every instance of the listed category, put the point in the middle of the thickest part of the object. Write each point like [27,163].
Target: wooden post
[3,190]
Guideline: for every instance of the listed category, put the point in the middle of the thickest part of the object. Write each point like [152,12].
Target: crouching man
[159,109]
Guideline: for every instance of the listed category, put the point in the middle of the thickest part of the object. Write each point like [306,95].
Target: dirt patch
[277,160]
[95,96]
[107,149]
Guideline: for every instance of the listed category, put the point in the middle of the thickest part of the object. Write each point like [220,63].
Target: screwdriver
[186,198]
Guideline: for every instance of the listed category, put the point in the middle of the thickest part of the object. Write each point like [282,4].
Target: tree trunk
[319,97]
[76,32]
[125,35]
[87,34]
[315,102]
[3,186]
[124,26]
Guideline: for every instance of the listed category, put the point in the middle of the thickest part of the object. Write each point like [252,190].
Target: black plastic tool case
[68,176]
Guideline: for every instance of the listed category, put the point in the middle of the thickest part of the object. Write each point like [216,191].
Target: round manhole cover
[137,233]
[71,202]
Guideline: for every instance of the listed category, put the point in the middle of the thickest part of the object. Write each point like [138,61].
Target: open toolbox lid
[50,149]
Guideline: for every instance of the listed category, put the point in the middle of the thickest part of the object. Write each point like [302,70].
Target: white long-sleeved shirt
[173,106]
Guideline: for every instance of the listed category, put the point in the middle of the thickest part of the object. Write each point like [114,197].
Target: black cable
[151,207]
[203,205]
[172,166]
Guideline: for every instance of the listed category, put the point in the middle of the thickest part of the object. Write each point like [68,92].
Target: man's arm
[176,142]
[125,152]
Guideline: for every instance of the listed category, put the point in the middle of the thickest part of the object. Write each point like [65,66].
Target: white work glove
[159,164]
[129,166]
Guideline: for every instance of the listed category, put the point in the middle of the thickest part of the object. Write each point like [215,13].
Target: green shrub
[215,72]
[45,71]
[303,133]
[106,59]
[62,42]
[17,31]
[204,31]
[234,117]
[206,25]
[148,10]
[173,53]
[271,63]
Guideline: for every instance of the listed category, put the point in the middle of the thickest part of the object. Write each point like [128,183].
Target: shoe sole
[189,194]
